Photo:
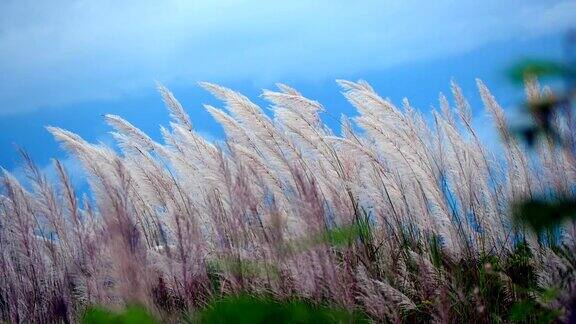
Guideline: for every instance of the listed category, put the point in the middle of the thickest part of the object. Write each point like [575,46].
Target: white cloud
[59,52]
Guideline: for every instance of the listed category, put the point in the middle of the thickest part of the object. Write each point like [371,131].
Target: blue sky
[66,63]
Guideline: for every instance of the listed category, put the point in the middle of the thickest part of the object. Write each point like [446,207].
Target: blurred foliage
[133,314]
[545,214]
[529,311]
[236,309]
[542,112]
[251,309]
[541,69]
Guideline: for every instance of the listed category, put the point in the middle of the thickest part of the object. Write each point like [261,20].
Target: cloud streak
[61,52]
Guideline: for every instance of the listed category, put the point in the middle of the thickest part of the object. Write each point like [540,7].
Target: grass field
[400,218]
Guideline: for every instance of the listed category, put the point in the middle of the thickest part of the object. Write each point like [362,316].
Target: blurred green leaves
[133,314]
[544,214]
[253,309]
[235,309]
[540,69]
[549,211]
[528,311]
